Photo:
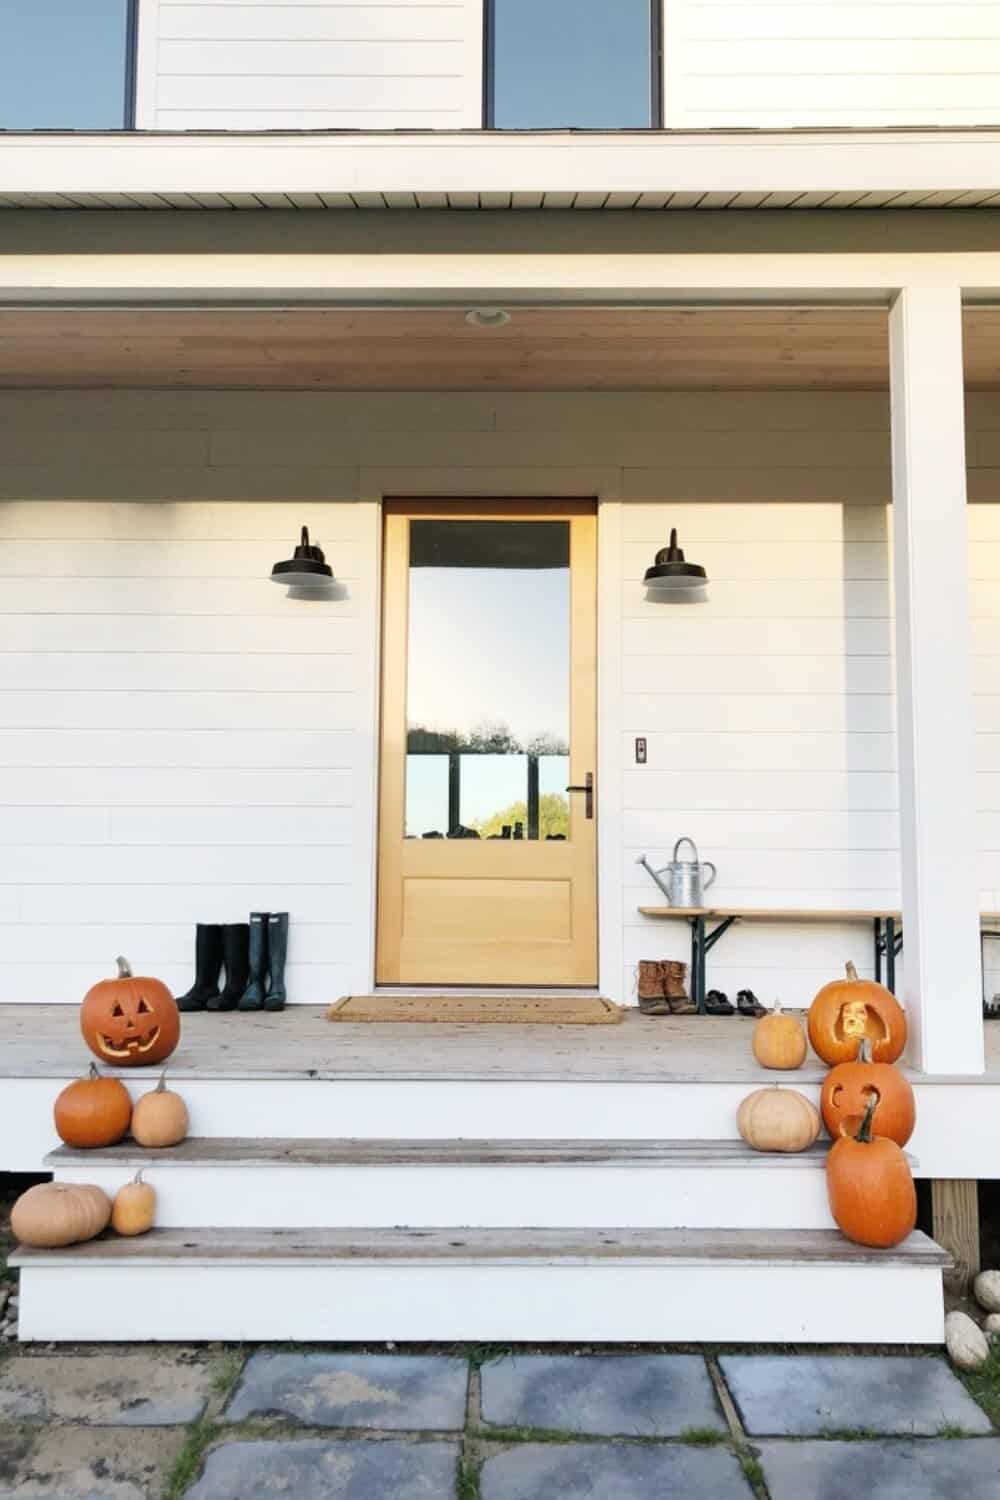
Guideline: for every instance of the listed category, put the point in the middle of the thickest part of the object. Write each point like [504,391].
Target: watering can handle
[685,840]
[708,865]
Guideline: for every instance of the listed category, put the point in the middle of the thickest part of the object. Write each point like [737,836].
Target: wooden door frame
[387,795]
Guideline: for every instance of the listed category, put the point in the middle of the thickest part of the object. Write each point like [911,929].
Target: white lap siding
[180,741]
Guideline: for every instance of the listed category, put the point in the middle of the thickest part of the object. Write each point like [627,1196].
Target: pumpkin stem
[93,1071]
[852,973]
[864,1135]
[865,1049]
[138,1175]
[776,1007]
[124,967]
[162,1085]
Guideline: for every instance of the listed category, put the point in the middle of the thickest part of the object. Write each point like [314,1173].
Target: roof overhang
[491,170]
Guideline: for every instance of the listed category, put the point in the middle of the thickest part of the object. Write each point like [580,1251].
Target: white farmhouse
[491,297]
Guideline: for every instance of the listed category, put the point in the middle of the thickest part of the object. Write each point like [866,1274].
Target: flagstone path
[215,1423]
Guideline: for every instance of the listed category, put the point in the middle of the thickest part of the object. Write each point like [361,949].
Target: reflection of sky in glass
[572,62]
[489,645]
[62,64]
[490,784]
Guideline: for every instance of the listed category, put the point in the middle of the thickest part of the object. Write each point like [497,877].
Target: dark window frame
[131,64]
[655,81]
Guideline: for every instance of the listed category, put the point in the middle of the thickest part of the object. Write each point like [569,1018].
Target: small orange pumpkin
[870,1187]
[134,1208]
[779,1041]
[848,1009]
[93,1111]
[848,1088]
[160,1118]
[130,1021]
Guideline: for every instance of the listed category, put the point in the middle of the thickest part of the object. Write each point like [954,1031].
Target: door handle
[588,790]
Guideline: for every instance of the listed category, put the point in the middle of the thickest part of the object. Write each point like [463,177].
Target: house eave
[738,169]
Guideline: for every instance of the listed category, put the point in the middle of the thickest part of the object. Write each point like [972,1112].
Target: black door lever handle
[588,791]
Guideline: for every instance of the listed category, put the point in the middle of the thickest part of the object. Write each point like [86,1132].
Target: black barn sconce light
[671,577]
[308,569]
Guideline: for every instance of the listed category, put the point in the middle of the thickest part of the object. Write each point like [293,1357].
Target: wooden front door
[487,872]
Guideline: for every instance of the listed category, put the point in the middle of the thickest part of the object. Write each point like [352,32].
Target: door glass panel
[487,751]
[63,64]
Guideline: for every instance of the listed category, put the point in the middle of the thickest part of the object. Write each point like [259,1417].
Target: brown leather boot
[649,983]
[675,989]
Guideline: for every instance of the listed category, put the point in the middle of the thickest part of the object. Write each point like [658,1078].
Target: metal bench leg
[890,953]
[879,944]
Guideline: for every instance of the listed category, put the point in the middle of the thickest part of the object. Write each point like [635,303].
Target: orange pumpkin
[870,1187]
[849,1087]
[93,1111]
[130,1021]
[848,1009]
[779,1041]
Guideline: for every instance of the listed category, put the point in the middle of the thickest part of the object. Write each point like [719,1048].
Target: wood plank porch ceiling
[572,349]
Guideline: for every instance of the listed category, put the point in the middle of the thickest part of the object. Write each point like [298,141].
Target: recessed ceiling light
[487,317]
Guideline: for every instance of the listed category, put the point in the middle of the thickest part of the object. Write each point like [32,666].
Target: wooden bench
[886,926]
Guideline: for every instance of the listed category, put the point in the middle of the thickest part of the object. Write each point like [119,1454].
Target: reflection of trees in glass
[488,738]
[553,818]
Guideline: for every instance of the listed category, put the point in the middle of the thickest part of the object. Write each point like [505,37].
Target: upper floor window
[564,63]
[66,64]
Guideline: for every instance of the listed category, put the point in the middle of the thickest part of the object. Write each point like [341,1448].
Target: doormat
[484,1010]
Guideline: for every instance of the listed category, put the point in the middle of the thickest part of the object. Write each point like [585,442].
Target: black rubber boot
[207,968]
[277,952]
[236,956]
[253,996]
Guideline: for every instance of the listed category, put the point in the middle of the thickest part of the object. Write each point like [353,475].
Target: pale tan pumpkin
[60,1213]
[779,1041]
[778,1120]
[160,1118]
[134,1208]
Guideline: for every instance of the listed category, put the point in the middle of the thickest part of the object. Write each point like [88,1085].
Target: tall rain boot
[236,956]
[207,968]
[277,952]
[252,997]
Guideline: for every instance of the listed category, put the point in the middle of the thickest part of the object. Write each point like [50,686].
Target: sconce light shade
[307,569]
[671,575]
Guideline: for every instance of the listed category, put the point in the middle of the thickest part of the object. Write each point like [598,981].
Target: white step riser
[411,1109]
[783,1196]
[731,1302]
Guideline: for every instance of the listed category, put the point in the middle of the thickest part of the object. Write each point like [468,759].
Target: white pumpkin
[967,1345]
[986,1289]
[777,1119]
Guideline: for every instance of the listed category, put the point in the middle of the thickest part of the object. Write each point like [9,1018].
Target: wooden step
[310,1183]
[646,1285]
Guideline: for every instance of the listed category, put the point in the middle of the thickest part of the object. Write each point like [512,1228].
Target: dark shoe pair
[718,1004]
[218,946]
[253,956]
[265,989]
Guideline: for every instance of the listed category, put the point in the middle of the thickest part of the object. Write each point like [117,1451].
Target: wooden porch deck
[43,1041]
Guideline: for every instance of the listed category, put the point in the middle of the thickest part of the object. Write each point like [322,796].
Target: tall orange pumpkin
[848,1088]
[130,1021]
[848,1009]
[870,1187]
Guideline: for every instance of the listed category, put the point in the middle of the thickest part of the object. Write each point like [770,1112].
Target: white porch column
[933,682]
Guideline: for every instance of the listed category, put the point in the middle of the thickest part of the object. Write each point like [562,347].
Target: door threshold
[567,992]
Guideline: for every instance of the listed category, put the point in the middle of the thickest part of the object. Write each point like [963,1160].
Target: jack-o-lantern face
[130,1021]
[849,1011]
[850,1087]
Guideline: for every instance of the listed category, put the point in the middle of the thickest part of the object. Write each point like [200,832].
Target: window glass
[585,63]
[63,64]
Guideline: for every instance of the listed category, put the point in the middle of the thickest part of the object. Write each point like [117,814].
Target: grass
[704,1437]
[984,1385]
[952,1430]
[528,1435]
[479,1355]
[851,1434]
[467,1484]
[226,1371]
[189,1460]
[753,1473]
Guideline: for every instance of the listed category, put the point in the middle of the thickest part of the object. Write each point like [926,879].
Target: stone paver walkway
[162,1423]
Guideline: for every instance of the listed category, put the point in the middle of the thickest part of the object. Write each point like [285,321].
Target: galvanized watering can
[683,881]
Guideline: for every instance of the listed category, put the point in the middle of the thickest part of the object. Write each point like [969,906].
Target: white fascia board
[476,162]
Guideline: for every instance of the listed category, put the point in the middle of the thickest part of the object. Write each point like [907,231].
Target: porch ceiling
[572,349]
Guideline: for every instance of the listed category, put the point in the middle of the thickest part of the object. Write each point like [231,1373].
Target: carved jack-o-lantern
[130,1021]
[847,1011]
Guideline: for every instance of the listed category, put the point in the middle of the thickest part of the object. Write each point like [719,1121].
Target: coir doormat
[487,1010]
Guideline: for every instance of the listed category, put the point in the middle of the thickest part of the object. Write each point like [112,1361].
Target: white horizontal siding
[277,66]
[824,62]
[180,741]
